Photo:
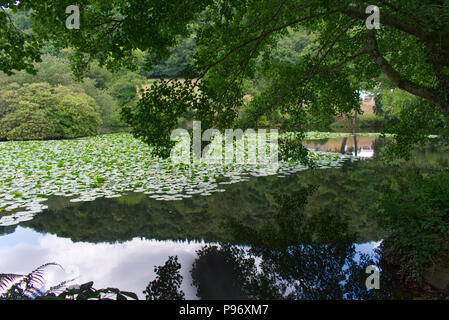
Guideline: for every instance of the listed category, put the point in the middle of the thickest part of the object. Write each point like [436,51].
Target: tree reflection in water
[296,257]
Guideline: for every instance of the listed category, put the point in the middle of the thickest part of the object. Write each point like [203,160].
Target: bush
[110,91]
[123,87]
[53,70]
[40,111]
[108,106]
[416,213]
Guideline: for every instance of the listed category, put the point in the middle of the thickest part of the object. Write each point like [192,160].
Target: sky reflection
[127,266]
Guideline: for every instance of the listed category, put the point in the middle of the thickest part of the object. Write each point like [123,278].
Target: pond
[117,241]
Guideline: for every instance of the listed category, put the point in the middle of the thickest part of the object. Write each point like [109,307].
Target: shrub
[110,91]
[123,87]
[416,214]
[108,106]
[40,111]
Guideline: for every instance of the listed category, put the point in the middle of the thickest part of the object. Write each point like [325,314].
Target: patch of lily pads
[316,135]
[110,166]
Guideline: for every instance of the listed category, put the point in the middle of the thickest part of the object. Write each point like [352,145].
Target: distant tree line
[52,104]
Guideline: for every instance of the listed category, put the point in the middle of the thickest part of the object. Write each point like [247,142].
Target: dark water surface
[117,242]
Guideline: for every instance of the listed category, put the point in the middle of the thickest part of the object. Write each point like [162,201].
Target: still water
[117,242]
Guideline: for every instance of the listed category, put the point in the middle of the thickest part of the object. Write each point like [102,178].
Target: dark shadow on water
[295,257]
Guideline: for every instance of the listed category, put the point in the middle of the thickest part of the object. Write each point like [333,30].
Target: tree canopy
[39,111]
[411,49]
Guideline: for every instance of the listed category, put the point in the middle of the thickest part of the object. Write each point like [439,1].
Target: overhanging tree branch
[398,79]
[359,53]
[387,20]
[263,35]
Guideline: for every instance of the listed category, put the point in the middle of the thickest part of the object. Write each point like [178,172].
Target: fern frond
[7,279]
[59,288]
[33,292]
[25,286]
[35,279]
[42,267]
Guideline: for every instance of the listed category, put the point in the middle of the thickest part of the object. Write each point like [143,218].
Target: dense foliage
[174,65]
[411,49]
[24,287]
[416,213]
[18,50]
[167,283]
[30,287]
[40,111]
[248,63]
[107,91]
